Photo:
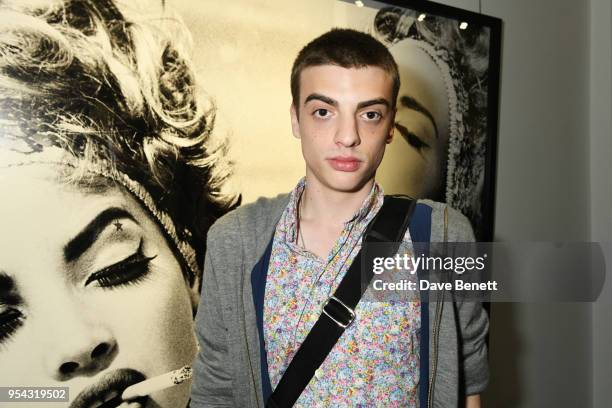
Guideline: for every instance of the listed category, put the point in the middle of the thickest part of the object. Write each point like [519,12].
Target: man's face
[345,120]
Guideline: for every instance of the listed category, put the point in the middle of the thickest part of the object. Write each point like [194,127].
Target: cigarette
[149,386]
[158,383]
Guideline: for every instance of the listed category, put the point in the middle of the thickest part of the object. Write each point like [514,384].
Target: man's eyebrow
[8,291]
[88,235]
[411,103]
[377,101]
[322,98]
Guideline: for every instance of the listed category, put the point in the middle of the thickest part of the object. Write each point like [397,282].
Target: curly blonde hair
[82,76]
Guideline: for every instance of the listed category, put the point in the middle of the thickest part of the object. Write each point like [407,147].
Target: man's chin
[349,183]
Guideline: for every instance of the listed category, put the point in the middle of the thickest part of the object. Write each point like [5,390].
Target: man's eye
[129,271]
[371,116]
[10,320]
[322,113]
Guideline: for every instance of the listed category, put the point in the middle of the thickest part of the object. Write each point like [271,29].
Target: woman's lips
[348,164]
[109,386]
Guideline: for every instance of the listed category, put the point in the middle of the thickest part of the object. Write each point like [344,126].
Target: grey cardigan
[227,370]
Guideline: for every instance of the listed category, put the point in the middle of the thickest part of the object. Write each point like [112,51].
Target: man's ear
[295,123]
[389,137]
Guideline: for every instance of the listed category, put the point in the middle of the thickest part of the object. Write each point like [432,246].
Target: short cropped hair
[345,48]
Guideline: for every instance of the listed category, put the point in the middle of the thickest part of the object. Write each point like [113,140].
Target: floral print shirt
[376,361]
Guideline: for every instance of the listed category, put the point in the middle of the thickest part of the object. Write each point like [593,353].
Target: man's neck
[320,204]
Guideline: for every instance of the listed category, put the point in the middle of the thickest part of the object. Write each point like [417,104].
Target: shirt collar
[371,204]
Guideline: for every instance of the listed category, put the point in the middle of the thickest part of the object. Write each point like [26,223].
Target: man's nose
[347,133]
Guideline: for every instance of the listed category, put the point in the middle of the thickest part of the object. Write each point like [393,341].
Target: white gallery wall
[601,188]
[554,182]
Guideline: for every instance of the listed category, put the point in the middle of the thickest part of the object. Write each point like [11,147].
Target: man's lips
[109,386]
[345,163]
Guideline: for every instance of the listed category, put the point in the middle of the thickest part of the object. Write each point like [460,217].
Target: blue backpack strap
[420,231]
[259,275]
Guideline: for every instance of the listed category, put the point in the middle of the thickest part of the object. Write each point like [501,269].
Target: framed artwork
[128,128]
[458,166]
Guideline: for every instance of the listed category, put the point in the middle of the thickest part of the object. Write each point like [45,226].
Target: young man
[271,265]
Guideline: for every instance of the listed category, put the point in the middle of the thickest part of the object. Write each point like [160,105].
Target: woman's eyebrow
[411,103]
[88,235]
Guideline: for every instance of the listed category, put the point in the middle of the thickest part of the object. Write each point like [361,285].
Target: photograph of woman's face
[415,160]
[91,295]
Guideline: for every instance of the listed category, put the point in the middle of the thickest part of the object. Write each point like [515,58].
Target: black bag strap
[389,226]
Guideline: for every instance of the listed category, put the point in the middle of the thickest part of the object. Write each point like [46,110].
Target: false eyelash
[117,279]
[415,141]
[10,321]
[131,270]
[412,139]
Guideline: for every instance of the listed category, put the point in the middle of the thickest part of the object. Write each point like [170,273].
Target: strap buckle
[340,313]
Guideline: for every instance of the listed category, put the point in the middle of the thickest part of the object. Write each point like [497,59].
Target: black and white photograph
[110,178]
[446,148]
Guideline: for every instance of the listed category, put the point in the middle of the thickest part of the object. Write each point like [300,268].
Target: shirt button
[318,373]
